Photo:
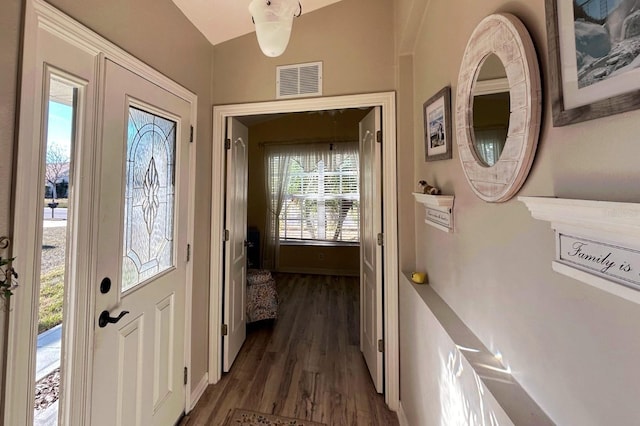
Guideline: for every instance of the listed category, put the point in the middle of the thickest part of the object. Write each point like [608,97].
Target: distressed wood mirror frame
[505,36]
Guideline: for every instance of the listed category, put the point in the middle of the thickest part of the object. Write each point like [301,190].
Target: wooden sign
[439,217]
[610,261]
[597,242]
[438,210]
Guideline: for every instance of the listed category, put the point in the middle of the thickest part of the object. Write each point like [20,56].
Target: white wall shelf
[597,242]
[438,210]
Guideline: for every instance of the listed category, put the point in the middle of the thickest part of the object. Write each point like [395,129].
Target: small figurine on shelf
[428,189]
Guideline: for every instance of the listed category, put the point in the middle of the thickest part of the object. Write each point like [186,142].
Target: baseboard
[402,418]
[199,390]
[320,271]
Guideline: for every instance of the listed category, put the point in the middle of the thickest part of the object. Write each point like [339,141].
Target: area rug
[253,418]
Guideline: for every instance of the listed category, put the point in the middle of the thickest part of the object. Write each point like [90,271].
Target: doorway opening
[386,101]
[303,213]
[306,166]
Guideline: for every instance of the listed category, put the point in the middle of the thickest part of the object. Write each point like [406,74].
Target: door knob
[105,318]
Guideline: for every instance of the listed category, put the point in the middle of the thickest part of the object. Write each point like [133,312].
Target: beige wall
[300,127]
[491,111]
[572,347]
[356,49]
[10,34]
[338,260]
[405,159]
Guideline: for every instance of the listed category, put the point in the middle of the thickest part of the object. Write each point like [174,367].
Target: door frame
[80,315]
[387,101]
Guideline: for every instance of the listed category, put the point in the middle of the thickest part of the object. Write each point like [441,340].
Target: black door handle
[105,318]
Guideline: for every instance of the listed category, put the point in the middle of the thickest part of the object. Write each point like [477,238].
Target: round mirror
[498,107]
[491,110]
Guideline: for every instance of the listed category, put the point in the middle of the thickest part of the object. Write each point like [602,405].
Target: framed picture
[594,58]
[437,126]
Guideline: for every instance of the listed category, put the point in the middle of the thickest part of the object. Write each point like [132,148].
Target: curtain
[489,143]
[280,159]
[277,170]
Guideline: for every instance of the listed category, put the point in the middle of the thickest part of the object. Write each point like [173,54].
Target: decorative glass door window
[149,197]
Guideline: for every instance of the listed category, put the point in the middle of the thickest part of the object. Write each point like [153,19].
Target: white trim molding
[386,100]
[489,87]
[597,242]
[402,417]
[198,392]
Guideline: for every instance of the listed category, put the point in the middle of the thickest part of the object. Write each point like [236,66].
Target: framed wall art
[594,58]
[437,126]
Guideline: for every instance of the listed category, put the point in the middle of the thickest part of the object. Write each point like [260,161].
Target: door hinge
[226,235]
[225,329]
[380,239]
[186,373]
[191,135]
[379,136]
[380,345]
[188,252]
[227,144]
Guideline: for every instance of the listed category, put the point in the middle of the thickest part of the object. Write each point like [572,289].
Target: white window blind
[321,196]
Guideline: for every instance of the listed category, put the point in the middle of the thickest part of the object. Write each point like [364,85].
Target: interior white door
[235,287]
[141,254]
[370,249]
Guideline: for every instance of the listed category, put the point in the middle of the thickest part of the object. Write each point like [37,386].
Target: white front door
[235,287]
[370,249]
[141,254]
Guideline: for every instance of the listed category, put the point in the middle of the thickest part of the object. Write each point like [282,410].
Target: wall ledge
[514,400]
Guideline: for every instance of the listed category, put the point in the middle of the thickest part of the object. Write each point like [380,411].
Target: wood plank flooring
[305,365]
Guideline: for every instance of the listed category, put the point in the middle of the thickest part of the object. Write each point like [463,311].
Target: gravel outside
[47,390]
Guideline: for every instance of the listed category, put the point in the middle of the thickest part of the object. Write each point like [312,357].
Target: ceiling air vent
[295,81]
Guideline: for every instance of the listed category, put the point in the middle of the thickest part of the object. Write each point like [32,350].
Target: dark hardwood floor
[306,365]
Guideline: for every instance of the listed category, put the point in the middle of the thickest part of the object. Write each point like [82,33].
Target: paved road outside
[59,213]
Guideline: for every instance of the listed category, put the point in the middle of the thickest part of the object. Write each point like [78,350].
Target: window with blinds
[321,201]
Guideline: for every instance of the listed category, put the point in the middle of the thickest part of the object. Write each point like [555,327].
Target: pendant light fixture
[273,20]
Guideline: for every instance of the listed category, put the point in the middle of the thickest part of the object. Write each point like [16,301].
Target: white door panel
[236,247]
[141,247]
[370,250]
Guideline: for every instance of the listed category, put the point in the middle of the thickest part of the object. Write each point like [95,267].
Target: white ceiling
[222,20]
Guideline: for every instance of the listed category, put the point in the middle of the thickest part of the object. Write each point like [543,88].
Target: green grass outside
[51,299]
